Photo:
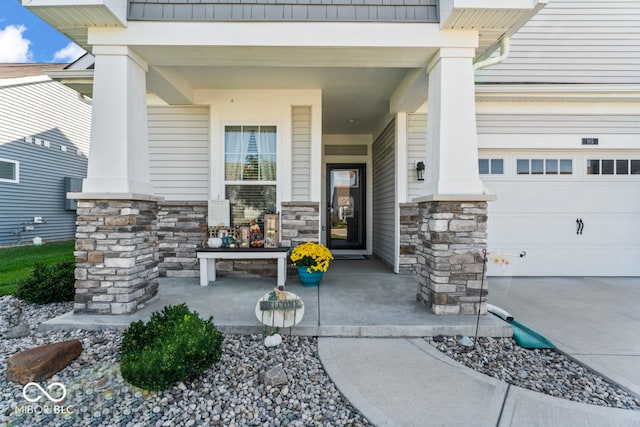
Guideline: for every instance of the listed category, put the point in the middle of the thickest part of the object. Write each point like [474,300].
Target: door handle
[580,226]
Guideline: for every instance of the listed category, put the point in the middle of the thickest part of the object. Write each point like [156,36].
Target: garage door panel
[531,197]
[611,230]
[537,214]
[581,196]
[565,261]
[608,245]
[561,229]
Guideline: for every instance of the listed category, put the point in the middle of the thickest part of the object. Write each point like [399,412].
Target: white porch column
[453,208]
[452,142]
[119,151]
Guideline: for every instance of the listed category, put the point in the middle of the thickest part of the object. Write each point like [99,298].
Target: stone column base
[450,259]
[116,256]
[410,218]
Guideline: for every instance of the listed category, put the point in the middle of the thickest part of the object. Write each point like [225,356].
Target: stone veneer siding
[410,219]
[450,259]
[116,256]
[299,223]
[182,228]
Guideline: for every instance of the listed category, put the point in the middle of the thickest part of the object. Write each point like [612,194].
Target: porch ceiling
[347,93]
[356,82]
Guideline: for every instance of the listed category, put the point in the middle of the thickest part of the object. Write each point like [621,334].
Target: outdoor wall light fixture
[420,170]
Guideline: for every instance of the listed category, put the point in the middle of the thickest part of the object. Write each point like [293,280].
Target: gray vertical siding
[384,195]
[54,115]
[285,10]
[301,153]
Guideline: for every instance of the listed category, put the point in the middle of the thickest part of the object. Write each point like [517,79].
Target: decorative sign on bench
[219,213]
[271,230]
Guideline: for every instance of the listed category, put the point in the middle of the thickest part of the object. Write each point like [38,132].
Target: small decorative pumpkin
[214,242]
[272,340]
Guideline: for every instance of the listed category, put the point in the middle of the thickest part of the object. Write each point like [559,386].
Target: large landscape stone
[274,376]
[40,363]
[18,331]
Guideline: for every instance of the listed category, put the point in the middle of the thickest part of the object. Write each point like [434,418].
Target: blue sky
[24,37]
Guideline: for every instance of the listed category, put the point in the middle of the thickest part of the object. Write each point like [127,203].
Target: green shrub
[175,345]
[48,283]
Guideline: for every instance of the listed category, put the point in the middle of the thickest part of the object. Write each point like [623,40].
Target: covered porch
[356,298]
[171,97]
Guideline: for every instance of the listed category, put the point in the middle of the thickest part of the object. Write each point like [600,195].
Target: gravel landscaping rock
[229,394]
[542,370]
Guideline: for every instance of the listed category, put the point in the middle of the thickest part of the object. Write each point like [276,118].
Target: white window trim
[280,162]
[17,166]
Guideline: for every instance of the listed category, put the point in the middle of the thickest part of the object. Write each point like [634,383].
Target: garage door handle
[580,225]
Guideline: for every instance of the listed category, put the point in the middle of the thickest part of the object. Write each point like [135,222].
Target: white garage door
[539,210]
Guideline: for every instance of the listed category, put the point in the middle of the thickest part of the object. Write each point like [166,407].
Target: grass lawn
[17,263]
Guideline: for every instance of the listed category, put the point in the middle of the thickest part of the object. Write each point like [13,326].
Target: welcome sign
[282,313]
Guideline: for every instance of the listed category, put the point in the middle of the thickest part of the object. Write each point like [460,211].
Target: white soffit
[493,19]
[73,17]
[79,80]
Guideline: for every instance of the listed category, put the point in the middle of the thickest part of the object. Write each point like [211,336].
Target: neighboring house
[44,144]
[322,110]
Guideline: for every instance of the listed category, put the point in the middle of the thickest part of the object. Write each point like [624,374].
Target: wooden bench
[208,257]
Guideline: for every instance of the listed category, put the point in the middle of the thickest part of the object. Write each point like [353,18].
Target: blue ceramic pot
[309,279]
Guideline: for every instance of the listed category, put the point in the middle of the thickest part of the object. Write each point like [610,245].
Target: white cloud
[69,53]
[13,47]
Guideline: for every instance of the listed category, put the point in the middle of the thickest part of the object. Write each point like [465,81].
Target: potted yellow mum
[312,260]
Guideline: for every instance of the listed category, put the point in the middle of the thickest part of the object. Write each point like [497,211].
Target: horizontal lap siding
[556,124]
[285,10]
[301,153]
[52,113]
[384,197]
[179,152]
[575,41]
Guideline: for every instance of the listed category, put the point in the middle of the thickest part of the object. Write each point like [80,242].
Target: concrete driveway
[594,319]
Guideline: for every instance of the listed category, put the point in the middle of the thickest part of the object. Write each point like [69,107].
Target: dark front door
[346,206]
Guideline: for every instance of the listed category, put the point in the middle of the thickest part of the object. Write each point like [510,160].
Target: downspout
[85,99]
[505,45]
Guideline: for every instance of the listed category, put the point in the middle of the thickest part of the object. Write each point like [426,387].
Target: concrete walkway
[407,382]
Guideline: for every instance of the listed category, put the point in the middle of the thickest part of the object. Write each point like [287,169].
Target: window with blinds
[250,172]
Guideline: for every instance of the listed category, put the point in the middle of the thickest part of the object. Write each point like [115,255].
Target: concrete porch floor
[357,298]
